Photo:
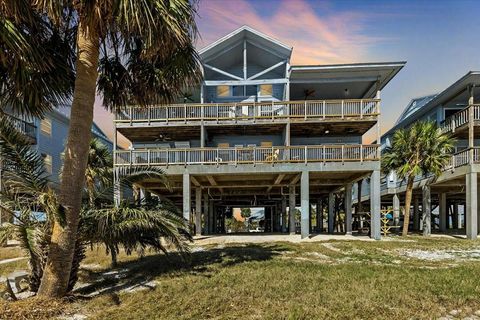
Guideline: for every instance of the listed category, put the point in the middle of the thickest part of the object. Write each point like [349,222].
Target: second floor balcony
[317,110]
[247,155]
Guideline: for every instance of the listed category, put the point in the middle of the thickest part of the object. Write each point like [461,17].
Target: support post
[198,211]
[375,205]
[443,211]
[284,214]
[186,196]
[396,209]
[348,208]
[305,204]
[331,211]
[319,215]
[416,214]
[211,218]
[455,219]
[291,209]
[205,213]
[471,207]
[427,211]
[359,196]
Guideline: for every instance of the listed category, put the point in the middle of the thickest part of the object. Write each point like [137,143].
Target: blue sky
[438,39]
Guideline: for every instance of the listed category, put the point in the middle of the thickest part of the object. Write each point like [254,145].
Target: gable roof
[414,105]
[249,34]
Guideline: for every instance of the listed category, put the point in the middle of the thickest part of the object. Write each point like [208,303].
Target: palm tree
[420,150]
[26,195]
[141,52]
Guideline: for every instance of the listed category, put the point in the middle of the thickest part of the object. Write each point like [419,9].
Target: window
[223,91]
[46,127]
[266,90]
[47,162]
[237,91]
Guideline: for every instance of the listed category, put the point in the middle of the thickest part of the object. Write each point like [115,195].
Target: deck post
[291,209]
[205,214]
[331,211]
[471,206]
[211,218]
[186,196]
[396,209]
[198,211]
[427,211]
[375,205]
[305,204]
[319,212]
[284,213]
[416,214]
[443,211]
[348,208]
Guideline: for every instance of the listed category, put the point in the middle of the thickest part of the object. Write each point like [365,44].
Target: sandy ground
[265,238]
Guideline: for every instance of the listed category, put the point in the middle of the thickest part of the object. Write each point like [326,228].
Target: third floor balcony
[248,112]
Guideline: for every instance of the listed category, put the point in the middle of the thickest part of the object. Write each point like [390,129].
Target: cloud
[317,34]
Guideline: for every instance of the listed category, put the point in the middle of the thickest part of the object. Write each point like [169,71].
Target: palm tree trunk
[57,270]
[113,253]
[408,201]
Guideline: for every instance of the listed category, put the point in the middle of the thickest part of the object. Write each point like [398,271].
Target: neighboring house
[453,196]
[49,135]
[261,132]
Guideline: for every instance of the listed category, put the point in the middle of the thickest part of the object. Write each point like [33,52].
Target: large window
[46,127]
[47,161]
[266,90]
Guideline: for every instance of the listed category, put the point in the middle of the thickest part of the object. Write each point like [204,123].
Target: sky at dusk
[438,39]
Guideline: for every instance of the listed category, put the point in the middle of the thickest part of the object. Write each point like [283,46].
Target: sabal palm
[419,150]
[26,193]
[144,51]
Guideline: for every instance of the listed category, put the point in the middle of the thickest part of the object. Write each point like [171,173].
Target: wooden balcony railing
[460,118]
[309,109]
[464,157]
[249,155]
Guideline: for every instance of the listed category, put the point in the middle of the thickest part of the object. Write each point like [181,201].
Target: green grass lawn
[419,278]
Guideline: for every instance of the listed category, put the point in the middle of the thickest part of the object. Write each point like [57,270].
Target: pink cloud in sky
[317,39]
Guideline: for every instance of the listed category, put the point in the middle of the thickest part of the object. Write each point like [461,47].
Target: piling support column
[416,214]
[331,211]
[471,206]
[426,211]
[291,209]
[348,208]
[319,215]
[186,196]
[443,211]
[375,205]
[396,209]
[205,214]
[284,213]
[305,204]
[198,211]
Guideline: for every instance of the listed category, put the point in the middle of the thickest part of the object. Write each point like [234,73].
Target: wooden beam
[195,181]
[222,72]
[295,179]
[213,182]
[267,70]
[334,80]
[244,60]
[244,82]
[258,45]
[276,182]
